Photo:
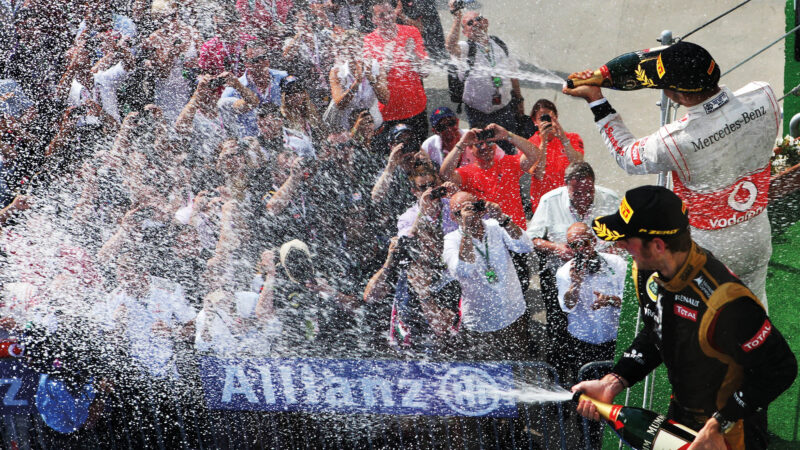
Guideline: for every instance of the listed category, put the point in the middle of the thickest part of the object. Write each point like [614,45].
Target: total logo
[470,391]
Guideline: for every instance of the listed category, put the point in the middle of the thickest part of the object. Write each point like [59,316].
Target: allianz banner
[18,386]
[359,386]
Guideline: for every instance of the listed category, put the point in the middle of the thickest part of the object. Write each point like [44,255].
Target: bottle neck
[606,410]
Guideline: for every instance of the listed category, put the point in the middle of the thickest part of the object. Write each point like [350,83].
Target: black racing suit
[721,351]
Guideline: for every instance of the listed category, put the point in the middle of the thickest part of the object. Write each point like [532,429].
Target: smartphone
[485,134]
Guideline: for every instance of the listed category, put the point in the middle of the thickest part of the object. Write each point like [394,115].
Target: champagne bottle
[641,428]
[620,72]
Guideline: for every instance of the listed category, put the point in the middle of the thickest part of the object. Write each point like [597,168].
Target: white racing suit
[719,156]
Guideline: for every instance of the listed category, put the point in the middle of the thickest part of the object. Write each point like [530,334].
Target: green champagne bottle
[620,72]
[642,429]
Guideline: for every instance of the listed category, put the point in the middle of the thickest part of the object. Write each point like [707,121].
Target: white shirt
[479,87]
[584,323]
[488,306]
[165,302]
[555,214]
[406,220]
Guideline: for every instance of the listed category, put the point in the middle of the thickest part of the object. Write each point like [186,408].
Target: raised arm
[451,42]
[450,164]
[532,156]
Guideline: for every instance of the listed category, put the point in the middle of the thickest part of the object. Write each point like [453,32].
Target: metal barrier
[156,417]
[592,371]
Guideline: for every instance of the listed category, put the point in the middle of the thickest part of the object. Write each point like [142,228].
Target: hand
[395,156]
[130,122]
[450,187]
[93,107]
[469,138]
[709,437]
[267,264]
[602,300]
[588,93]
[230,79]
[494,211]
[563,251]
[546,132]
[576,275]
[430,207]
[456,13]
[603,390]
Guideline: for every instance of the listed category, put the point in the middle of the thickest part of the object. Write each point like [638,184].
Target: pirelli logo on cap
[660,67]
[625,210]
[711,67]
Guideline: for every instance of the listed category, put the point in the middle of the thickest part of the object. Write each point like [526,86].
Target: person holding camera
[490,94]
[425,297]
[579,201]
[494,319]
[489,177]
[392,192]
[261,84]
[590,288]
[558,147]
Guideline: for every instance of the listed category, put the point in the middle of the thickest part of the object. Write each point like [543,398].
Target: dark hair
[543,103]
[578,170]
[680,242]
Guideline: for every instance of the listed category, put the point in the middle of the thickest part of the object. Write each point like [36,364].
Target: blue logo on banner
[365,386]
[17,387]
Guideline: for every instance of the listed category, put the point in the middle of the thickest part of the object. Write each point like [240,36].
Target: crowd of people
[258,179]
[268,178]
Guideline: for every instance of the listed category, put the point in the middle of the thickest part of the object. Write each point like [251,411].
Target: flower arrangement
[786,154]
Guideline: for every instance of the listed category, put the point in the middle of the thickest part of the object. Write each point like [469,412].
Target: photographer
[558,147]
[490,95]
[425,306]
[579,201]
[590,288]
[494,318]
[261,85]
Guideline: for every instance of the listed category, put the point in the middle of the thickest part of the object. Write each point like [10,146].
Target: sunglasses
[574,245]
[475,21]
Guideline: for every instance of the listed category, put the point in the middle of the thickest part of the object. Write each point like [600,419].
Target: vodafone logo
[743,196]
[686,313]
[759,338]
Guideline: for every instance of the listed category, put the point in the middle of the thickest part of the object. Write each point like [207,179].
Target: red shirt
[555,166]
[498,184]
[217,56]
[263,13]
[406,94]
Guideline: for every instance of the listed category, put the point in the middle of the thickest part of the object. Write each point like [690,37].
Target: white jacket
[719,155]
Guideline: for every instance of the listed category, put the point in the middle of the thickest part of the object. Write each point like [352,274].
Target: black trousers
[510,343]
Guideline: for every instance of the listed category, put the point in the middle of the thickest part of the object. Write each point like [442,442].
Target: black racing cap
[645,212]
[683,66]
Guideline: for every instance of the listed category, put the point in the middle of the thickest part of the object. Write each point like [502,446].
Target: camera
[216,83]
[402,252]
[438,192]
[545,118]
[485,134]
[479,206]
